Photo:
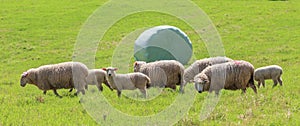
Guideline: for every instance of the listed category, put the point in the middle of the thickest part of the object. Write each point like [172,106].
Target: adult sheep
[128,81]
[231,75]
[57,76]
[273,72]
[199,65]
[164,73]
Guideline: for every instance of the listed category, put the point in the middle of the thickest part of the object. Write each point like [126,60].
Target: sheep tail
[148,82]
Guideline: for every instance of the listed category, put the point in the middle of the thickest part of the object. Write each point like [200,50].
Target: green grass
[34,33]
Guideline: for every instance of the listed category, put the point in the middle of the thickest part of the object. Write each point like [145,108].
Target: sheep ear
[104,69]
[24,74]
[135,63]
[115,69]
[209,64]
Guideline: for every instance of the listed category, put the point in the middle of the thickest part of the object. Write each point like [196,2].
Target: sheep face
[24,79]
[110,71]
[137,65]
[199,85]
[200,82]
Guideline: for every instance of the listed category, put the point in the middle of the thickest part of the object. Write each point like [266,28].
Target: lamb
[232,75]
[97,77]
[128,81]
[273,72]
[199,65]
[164,73]
[66,75]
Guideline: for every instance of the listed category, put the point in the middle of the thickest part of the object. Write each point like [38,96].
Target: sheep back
[237,75]
[200,65]
[168,71]
[57,76]
[129,81]
[267,72]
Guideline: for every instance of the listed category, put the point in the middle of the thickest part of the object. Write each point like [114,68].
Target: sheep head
[24,79]
[28,77]
[137,65]
[110,71]
[200,82]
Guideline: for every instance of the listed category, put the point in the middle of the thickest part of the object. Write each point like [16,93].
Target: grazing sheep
[128,81]
[231,75]
[199,65]
[164,73]
[57,76]
[273,72]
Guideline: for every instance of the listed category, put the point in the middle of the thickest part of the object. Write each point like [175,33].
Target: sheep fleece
[57,76]
[268,72]
[237,75]
[200,65]
[168,72]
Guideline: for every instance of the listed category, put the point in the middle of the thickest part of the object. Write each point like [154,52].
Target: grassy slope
[33,33]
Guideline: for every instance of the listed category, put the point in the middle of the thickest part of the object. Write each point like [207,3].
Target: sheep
[199,65]
[97,77]
[164,73]
[128,81]
[66,75]
[273,72]
[232,75]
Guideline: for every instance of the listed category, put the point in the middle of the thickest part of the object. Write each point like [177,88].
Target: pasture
[35,33]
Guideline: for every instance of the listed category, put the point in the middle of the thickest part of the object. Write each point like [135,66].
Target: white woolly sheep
[97,77]
[273,72]
[57,76]
[199,65]
[130,81]
[231,75]
[164,73]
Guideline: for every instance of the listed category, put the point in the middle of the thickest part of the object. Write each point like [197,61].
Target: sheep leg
[280,80]
[83,92]
[275,82]
[244,90]
[78,91]
[263,83]
[254,88]
[86,87]
[100,88]
[119,93]
[173,87]
[182,84]
[259,83]
[181,88]
[55,92]
[217,92]
[106,83]
[144,91]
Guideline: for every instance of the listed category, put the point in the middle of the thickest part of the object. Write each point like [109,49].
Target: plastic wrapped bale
[163,43]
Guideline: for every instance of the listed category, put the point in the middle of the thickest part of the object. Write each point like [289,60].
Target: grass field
[35,33]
